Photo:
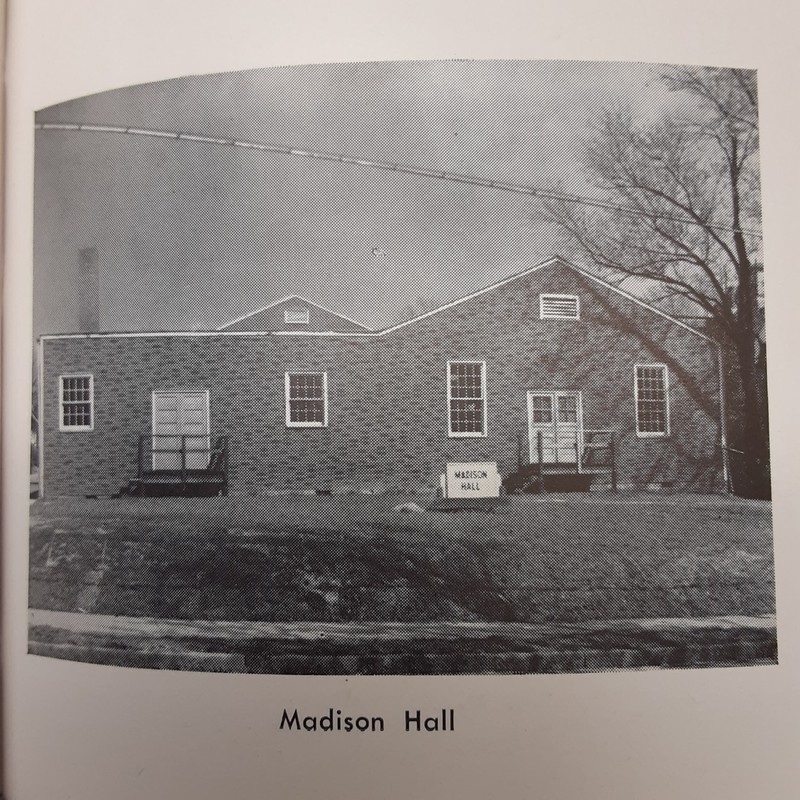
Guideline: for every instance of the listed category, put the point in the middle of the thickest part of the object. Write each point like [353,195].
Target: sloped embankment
[145,568]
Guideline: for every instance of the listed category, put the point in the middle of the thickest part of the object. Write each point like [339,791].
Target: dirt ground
[539,559]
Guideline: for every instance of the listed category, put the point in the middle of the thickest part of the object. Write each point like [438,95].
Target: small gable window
[559,306]
[296,316]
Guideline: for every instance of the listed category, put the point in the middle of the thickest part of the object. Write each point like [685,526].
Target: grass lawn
[568,558]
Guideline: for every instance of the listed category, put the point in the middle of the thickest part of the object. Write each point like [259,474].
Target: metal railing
[215,469]
[593,451]
[601,441]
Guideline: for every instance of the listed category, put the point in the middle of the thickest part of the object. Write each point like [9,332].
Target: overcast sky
[190,235]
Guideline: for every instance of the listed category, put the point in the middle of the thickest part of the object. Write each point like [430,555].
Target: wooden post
[540,456]
[225,465]
[612,452]
[577,455]
[140,466]
[183,463]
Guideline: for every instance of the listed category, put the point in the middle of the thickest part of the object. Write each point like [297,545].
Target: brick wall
[388,395]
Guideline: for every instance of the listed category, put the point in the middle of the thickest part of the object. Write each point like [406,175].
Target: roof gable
[294,313]
[555,261]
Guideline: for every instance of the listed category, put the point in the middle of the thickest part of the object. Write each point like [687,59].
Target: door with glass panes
[180,421]
[557,417]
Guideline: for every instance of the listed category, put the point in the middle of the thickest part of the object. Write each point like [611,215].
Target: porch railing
[179,462]
[592,451]
[600,452]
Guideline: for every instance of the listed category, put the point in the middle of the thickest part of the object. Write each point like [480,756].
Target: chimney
[88,291]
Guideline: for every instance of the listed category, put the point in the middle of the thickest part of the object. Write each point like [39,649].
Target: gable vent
[296,316]
[559,306]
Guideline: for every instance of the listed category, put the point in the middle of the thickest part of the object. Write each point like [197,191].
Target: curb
[402,648]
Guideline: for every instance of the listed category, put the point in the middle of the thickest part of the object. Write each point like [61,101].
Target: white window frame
[465,434]
[75,428]
[652,434]
[302,316]
[286,385]
[574,297]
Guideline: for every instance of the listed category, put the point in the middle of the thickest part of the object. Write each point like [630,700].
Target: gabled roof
[263,319]
[556,260]
[357,329]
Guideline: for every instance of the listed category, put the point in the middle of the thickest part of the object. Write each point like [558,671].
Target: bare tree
[692,179]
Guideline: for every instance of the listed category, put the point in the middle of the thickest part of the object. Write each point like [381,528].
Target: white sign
[476,479]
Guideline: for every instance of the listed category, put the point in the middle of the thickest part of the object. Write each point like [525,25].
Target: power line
[453,177]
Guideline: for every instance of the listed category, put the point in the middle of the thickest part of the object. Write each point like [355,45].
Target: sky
[190,236]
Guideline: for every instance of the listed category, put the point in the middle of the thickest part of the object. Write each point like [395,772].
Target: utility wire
[453,177]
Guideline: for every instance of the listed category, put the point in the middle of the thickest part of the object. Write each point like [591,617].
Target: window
[76,403]
[652,400]
[296,316]
[541,409]
[568,408]
[466,398]
[559,306]
[306,399]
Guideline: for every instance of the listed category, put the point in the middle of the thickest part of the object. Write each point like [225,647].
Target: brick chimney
[88,291]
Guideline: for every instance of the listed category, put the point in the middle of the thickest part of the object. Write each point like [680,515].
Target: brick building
[532,367]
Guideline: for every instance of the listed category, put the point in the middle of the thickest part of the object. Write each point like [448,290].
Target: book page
[215,314]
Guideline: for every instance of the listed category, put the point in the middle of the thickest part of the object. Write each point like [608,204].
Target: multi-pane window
[466,397]
[568,408]
[559,306]
[76,403]
[652,401]
[541,409]
[306,399]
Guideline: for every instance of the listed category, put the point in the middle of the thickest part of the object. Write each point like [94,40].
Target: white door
[176,415]
[557,417]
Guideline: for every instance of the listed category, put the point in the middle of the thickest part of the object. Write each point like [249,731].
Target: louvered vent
[296,316]
[559,306]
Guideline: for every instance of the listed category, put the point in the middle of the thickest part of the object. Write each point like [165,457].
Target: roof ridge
[391,328]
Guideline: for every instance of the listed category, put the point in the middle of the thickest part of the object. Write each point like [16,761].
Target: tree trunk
[750,428]
[753,478]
